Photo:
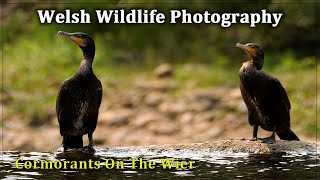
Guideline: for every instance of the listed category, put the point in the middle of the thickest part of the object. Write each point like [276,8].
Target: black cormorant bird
[79,98]
[266,100]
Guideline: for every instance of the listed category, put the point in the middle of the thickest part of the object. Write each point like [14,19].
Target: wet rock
[116,117]
[163,70]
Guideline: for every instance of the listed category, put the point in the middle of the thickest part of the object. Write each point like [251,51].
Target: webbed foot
[250,139]
[269,140]
[89,148]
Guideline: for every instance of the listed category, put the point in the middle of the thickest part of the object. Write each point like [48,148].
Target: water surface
[209,165]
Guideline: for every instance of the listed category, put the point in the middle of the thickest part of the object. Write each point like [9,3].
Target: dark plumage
[267,101]
[79,97]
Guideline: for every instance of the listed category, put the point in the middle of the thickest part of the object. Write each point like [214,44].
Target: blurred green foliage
[36,61]
[137,43]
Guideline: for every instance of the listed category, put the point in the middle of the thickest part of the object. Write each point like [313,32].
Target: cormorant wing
[249,104]
[278,92]
[62,100]
[100,92]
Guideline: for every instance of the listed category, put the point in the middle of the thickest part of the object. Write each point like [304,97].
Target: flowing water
[117,163]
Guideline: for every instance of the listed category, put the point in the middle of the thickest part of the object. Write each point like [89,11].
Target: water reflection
[207,165]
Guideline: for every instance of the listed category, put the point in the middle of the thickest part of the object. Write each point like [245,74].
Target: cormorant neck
[88,53]
[258,62]
[87,60]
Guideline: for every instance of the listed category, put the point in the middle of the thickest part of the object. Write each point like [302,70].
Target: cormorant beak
[250,51]
[80,42]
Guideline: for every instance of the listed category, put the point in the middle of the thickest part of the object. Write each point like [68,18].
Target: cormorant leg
[254,133]
[272,138]
[90,139]
[64,143]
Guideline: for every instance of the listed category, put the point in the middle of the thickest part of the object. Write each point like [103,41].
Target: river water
[103,164]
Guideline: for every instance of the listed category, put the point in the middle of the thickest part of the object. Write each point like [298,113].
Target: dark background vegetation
[36,61]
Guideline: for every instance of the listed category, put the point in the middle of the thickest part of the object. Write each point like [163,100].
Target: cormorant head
[84,41]
[254,51]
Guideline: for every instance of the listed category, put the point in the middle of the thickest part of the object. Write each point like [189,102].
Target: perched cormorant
[266,100]
[79,98]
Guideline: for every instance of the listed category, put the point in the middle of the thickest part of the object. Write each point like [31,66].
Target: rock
[99,141]
[214,132]
[164,127]
[186,118]
[136,137]
[116,117]
[201,105]
[37,119]
[145,118]
[235,93]
[230,105]
[173,108]
[205,116]
[233,121]
[207,94]
[196,128]
[155,85]
[163,70]
[130,99]
[242,107]
[154,98]
[120,135]
[6,98]
[211,148]
[184,105]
